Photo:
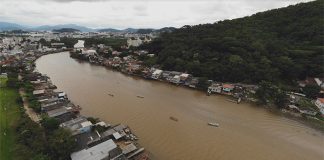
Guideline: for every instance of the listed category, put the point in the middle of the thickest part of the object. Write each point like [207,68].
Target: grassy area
[9,114]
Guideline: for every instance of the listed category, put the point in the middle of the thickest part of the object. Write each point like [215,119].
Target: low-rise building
[79,46]
[157,74]
[320,104]
[39,92]
[78,125]
[175,79]
[228,88]
[97,152]
[215,88]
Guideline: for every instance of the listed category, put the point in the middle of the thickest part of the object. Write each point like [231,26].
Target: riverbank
[50,111]
[240,124]
[237,93]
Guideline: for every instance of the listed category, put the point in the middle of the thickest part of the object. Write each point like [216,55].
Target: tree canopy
[280,45]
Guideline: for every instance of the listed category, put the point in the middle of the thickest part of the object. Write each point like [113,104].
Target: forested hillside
[280,45]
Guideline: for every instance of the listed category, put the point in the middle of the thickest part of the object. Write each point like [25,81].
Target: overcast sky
[131,13]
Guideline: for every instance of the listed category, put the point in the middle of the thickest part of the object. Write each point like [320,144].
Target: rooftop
[97,152]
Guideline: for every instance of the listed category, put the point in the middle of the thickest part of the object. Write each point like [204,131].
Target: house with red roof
[227,88]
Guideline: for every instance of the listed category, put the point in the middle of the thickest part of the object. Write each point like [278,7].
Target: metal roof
[97,152]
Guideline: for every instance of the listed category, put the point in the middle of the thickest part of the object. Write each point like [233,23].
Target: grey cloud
[132,13]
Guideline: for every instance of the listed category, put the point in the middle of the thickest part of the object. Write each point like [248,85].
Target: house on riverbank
[320,105]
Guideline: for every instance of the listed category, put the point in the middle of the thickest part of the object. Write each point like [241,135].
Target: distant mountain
[5,26]
[55,27]
[128,30]
[145,31]
[109,30]
[66,30]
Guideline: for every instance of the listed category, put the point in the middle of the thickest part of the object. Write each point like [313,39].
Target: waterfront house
[132,68]
[175,79]
[320,105]
[128,148]
[215,88]
[97,152]
[228,88]
[39,92]
[166,75]
[184,77]
[62,114]
[193,82]
[62,95]
[78,125]
[303,111]
[156,74]
[89,52]
[45,107]
[320,82]
[308,112]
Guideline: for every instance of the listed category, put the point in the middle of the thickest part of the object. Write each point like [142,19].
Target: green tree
[203,83]
[50,124]
[311,91]
[61,144]
[40,157]
[280,98]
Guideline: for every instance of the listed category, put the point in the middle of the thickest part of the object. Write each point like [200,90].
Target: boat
[110,94]
[213,124]
[174,119]
[140,96]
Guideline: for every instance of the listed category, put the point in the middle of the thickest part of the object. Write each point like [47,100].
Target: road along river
[246,132]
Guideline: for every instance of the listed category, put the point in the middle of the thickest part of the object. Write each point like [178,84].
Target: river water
[246,132]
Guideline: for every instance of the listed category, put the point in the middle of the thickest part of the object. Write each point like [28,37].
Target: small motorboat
[111,95]
[174,119]
[139,96]
[213,124]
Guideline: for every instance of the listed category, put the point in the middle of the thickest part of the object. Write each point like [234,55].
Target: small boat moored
[111,95]
[139,96]
[213,124]
[174,119]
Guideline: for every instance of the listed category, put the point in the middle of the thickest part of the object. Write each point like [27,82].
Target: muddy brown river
[246,132]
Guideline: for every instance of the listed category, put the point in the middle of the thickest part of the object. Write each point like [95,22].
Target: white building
[79,45]
[134,42]
[215,88]
[156,74]
[97,152]
[176,79]
[89,52]
[319,82]
[78,125]
[320,104]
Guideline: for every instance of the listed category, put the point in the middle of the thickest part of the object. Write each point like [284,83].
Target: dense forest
[280,45]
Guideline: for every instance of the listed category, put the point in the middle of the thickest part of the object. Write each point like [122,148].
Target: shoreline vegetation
[34,135]
[30,140]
